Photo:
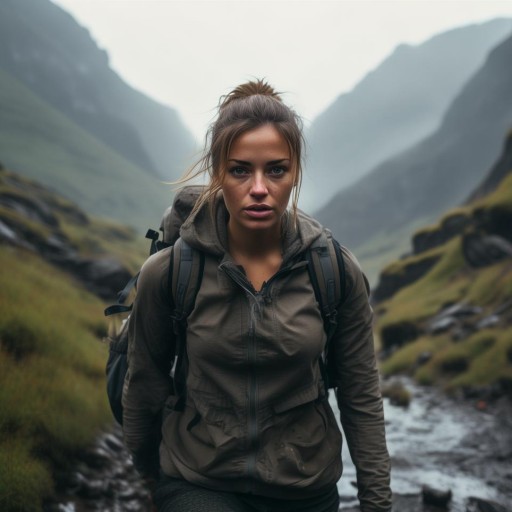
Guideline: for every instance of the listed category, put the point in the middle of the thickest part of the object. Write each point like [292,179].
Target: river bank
[446,443]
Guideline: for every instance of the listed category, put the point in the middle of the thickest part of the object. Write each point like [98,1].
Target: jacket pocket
[306,438]
[303,396]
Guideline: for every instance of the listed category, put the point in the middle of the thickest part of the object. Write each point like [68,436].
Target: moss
[489,360]
[52,399]
[397,393]
[399,267]
[405,359]
[444,283]
[24,481]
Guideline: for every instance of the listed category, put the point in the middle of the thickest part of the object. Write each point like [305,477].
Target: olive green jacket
[253,420]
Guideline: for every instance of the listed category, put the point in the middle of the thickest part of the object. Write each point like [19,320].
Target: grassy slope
[43,144]
[451,280]
[52,391]
[52,361]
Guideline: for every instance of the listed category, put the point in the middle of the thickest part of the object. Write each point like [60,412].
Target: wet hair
[247,107]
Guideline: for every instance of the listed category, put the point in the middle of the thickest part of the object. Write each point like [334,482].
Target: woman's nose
[258,185]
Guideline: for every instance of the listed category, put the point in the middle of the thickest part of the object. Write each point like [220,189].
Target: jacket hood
[208,232]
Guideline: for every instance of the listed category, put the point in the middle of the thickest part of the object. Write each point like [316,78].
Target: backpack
[326,270]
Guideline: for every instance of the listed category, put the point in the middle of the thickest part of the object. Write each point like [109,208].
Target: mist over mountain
[437,173]
[44,48]
[394,106]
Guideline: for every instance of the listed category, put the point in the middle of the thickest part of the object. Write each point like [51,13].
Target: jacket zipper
[258,297]
[252,418]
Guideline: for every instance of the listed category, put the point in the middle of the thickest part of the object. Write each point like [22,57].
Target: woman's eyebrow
[272,162]
[241,162]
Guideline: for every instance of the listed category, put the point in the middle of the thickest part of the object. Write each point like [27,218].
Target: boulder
[481,250]
[397,335]
[393,280]
[481,505]
[437,497]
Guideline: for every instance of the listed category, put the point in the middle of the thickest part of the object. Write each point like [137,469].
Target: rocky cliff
[37,220]
[445,311]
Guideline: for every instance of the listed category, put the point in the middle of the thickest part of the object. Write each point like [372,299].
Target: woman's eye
[238,171]
[277,171]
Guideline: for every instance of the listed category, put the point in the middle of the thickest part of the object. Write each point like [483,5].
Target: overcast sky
[186,53]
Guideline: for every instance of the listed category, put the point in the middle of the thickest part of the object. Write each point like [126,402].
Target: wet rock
[113,442]
[397,335]
[455,365]
[397,393]
[481,505]
[30,208]
[97,457]
[440,325]
[436,497]
[481,250]
[391,282]
[487,322]
[105,276]
[451,226]
[460,310]
[93,489]
[423,358]
[104,479]
[463,331]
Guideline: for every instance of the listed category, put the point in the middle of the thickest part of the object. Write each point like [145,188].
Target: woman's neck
[254,244]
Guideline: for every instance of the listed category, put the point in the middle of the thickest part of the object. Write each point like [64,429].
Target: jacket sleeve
[358,391]
[150,356]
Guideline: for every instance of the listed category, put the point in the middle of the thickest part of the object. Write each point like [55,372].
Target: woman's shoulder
[155,270]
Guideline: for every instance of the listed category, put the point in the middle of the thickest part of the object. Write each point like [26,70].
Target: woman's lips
[258,211]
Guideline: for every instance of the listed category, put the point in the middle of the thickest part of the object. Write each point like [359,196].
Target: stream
[441,442]
[447,444]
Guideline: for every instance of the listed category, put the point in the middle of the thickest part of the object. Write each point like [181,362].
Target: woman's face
[258,180]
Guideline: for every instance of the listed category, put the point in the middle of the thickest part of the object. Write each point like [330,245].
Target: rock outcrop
[31,217]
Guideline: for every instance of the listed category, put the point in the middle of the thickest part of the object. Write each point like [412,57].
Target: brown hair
[245,108]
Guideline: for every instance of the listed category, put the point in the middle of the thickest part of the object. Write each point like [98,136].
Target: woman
[255,433]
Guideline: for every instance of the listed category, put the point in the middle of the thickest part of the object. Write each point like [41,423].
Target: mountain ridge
[395,105]
[47,50]
[438,172]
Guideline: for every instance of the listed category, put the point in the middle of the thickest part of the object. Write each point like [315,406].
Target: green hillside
[45,145]
[52,354]
[472,351]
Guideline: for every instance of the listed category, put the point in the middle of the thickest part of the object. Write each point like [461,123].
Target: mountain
[393,107]
[444,313]
[45,49]
[436,173]
[69,121]
[42,143]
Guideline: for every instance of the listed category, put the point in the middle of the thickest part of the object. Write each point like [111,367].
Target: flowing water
[447,444]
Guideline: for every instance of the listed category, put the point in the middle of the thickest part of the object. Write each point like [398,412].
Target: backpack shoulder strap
[185,276]
[327,274]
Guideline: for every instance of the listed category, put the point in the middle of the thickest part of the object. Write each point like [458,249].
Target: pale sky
[187,53]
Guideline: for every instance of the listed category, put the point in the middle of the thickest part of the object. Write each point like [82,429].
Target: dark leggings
[176,495]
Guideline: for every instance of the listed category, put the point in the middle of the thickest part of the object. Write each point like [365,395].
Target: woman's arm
[150,357]
[358,392]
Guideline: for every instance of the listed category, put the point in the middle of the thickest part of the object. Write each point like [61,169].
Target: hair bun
[252,88]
